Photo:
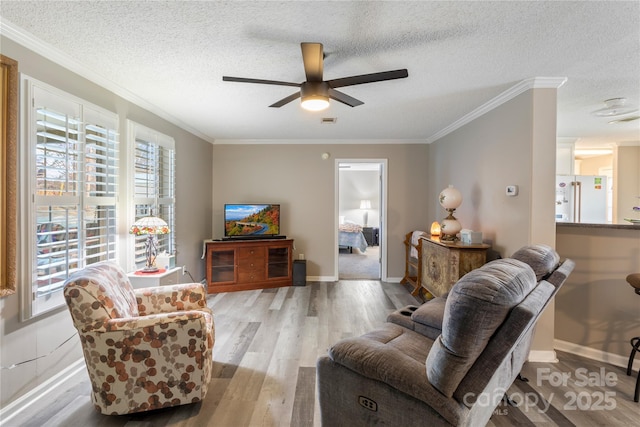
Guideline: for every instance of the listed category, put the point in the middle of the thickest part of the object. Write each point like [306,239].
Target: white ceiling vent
[328,120]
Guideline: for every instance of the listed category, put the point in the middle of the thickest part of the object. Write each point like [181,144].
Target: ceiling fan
[315,92]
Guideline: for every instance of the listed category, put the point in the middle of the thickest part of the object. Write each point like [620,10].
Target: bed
[350,236]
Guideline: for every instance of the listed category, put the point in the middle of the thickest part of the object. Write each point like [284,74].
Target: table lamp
[150,226]
[450,199]
[365,205]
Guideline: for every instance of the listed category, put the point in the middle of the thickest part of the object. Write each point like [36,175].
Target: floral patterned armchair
[144,348]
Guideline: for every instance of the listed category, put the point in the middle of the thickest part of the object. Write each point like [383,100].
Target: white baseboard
[546,356]
[31,397]
[321,279]
[334,279]
[599,355]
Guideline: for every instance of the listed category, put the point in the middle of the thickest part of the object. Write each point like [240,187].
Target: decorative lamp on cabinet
[435,229]
[450,199]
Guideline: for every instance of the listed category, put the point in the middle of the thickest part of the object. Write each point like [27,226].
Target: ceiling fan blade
[265,82]
[368,78]
[344,98]
[286,100]
[312,57]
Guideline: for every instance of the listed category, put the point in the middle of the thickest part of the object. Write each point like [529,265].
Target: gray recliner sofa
[449,361]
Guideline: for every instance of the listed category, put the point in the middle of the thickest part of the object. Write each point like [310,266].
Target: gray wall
[498,149]
[513,144]
[40,336]
[304,184]
[597,308]
[627,183]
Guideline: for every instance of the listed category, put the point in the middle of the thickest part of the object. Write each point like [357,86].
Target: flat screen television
[251,220]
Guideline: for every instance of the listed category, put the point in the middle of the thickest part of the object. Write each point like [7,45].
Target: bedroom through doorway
[360,198]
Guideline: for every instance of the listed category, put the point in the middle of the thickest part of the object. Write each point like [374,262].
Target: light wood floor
[267,343]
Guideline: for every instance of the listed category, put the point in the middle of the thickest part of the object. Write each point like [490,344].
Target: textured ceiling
[171,56]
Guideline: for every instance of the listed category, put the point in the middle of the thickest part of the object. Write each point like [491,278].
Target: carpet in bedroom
[359,265]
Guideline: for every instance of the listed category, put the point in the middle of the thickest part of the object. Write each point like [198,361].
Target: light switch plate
[512,190]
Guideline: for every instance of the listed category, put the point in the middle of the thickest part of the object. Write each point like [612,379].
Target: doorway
[360,219]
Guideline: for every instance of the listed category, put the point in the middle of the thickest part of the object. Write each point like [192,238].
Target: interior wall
[39,338]
[354,187]
[591,165]
[596,307]
[303,183]
[513,144]
[626,192]
[472,159]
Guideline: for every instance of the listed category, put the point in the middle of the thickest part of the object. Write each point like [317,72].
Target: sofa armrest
[171,298]
[161,320]
[133,325]
[430,315]
[425,319]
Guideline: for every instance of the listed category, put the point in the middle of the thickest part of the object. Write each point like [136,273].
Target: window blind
[154,185]
[74,183]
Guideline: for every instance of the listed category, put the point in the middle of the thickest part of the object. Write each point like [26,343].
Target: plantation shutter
[154,187]
[74,182]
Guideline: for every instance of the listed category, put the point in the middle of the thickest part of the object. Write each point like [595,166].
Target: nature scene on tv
[247,220]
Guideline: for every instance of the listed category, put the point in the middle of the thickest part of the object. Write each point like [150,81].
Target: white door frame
[383,212]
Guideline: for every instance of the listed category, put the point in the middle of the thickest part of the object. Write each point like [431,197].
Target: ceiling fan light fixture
[315,102]
[615,107]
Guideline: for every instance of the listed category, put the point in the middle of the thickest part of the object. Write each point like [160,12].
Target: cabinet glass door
[278,263]
[222,266]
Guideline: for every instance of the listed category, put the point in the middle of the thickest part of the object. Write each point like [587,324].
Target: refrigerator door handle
[575,185]
[578,200]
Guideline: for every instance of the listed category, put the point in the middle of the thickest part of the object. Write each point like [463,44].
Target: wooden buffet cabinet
[248,264]
[443,263]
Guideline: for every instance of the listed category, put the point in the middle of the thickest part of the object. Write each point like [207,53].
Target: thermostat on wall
[512,190]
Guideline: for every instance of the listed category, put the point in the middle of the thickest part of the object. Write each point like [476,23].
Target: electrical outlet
[184,270]
[300,256]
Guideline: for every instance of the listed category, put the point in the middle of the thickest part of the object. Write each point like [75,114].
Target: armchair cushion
[476,306]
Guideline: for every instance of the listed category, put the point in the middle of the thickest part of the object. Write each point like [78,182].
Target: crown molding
[50,52]
[316,141]
[507,95]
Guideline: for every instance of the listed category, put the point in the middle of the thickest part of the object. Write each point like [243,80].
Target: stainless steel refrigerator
[581,198]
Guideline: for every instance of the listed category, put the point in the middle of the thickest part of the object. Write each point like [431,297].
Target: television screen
[251,220]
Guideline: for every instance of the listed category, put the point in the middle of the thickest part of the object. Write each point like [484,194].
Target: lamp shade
[149,225]
[365,204]
[450,197]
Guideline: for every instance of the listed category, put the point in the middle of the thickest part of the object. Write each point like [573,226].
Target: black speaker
[299,272]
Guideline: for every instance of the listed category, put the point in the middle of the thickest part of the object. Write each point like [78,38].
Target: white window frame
[160,205]
[85,203]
